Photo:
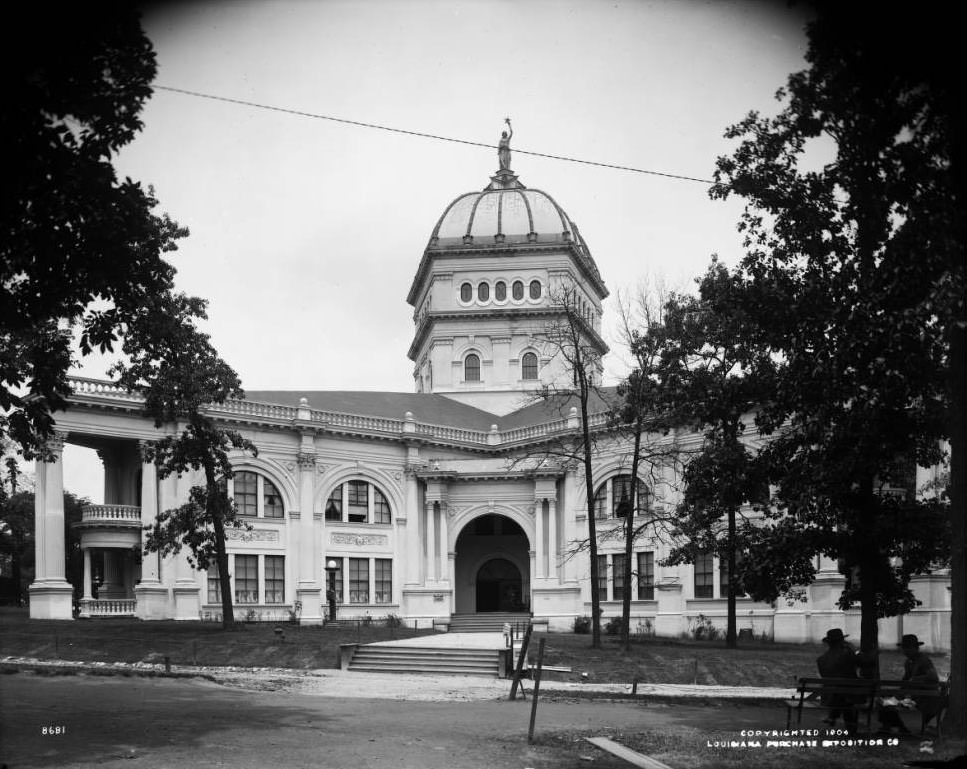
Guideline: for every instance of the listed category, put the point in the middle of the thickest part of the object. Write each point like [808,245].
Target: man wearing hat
[838,661]
[917,667]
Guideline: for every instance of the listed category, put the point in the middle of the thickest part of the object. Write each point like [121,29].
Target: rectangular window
[214,585]
[334,504]
[246,579]
[246,493]
[618,577]
[704,584]
[334,580]
[275,579]
[358,501]
[602,578]
[358,580]
[380,507]
[384,580]
[646,576]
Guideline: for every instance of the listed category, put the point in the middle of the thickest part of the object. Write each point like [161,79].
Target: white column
[411,553]
[553,556]
[569,525]
[310,590]
[444,565]
[431,550]
[88,594]
[539,539]
[150,568]
[51,596]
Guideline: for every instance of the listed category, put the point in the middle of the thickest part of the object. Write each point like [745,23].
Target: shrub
[393,620]
[614,625]
[644,629]
[582,625]
[703,629]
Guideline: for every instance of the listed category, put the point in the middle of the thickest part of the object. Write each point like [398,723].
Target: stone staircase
[389,658]
[491,622]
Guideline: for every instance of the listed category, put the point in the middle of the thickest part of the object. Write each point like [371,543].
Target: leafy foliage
[853,274]
[75,84]
[180,374]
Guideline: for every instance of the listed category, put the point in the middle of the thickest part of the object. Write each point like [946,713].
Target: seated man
[838,661]
[917,668]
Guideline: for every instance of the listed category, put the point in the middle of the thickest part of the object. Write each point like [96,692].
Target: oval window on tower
[518,290]
[483,292]
[466,292]
[535,289]
[500,291]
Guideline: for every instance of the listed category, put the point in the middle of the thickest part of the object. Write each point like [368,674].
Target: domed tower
[489,286]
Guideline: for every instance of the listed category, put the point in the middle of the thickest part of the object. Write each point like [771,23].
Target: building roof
[426,407]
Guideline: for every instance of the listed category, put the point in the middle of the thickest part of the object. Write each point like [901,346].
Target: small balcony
[118,516]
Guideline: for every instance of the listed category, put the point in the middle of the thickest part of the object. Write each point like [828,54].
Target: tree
[571,336]
[179,374]
[708,381]
[640,412]
[75,81]
[855,280]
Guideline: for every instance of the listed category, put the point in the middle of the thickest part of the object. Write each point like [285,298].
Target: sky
[306,233]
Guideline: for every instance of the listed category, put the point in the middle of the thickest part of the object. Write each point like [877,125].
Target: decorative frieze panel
[359,540]
[256,535]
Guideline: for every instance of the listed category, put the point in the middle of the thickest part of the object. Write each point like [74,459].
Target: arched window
[615,495]
[528,366]
[535,289]
[466,292]
[500,291]
[483,292]
[518,290]
[255,495]
[358,502]
[471,368]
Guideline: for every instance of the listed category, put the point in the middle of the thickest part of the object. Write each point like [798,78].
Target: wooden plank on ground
[629,755]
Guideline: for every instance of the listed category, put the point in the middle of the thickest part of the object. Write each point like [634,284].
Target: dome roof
[503,216]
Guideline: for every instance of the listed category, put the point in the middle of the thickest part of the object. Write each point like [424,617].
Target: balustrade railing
[360,422]
[111,513]
[110,607]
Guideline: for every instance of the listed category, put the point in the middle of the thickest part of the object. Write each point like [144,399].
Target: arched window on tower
[528,366]
[466,292]
[471,368]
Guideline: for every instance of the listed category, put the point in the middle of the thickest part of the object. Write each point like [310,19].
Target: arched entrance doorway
[499,586]
[492,566]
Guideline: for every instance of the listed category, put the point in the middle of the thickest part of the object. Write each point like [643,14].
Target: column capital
[306,459]
[55,441]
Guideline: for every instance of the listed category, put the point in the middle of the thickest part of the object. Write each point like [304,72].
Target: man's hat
[835,635]
[910,640]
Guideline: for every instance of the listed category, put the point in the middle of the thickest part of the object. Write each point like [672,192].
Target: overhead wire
[317,116]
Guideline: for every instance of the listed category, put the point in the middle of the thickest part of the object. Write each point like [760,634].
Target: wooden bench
[932,698]
[858,692]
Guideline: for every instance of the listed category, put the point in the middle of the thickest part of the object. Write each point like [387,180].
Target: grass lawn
[653,660]
[185,643]
[684,661]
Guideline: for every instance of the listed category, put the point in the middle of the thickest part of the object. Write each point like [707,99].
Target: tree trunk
[731,635]
[221,555]
[592,524]
[629,540]
[956,721]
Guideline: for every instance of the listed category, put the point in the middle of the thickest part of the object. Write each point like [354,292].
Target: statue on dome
[503,149]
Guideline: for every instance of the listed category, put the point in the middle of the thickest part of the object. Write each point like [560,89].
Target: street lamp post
[331,568]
